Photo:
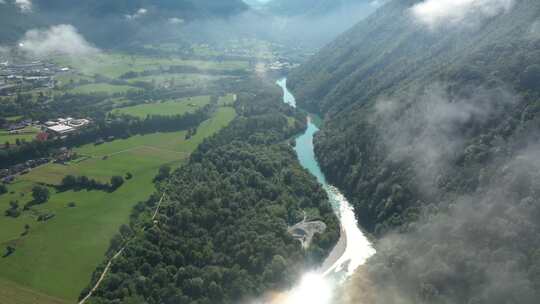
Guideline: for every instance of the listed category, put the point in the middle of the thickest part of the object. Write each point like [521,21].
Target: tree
[40,194]
[9,250]
[126,231]
[116,182]
[26,230]
[129,176]
[164,172]
[14,205]
[13,210]
[69,181]
[3,189]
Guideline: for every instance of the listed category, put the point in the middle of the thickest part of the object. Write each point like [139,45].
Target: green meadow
[27,134]
[101,88]
[171,107]
[114,65]
[56,259]
[185,79]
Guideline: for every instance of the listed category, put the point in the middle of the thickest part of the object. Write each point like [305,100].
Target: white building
[61,129]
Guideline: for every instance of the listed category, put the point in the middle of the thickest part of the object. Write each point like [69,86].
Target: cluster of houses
[28,75]
[16,128]
[7,176]
[57,127]
[281,66]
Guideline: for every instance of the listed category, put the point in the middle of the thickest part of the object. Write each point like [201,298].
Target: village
[50,129]
[27,75]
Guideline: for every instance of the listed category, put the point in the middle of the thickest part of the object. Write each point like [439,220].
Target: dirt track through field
[115,256]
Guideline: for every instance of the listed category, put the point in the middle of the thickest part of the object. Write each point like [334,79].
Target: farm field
[171,107]
[101,88]
[13,293]
[185,79]
[56,258]
[27,134]
[114,65]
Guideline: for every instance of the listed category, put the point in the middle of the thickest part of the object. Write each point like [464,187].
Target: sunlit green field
[114,65]
[101,88]
[171,107]
[57,257]
[16,294]
[27,134]
[186,79]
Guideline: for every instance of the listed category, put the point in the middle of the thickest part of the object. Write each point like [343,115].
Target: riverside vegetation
[221,234]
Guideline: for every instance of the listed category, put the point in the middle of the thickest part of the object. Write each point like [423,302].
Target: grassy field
[13,293]
[114,65]
[57,257]
[101,88]
[27,134]
[172,107]
[189,80]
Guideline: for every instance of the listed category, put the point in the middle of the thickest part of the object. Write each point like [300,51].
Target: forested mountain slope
[432,126]
[310,7]
[221,234]
[391,57]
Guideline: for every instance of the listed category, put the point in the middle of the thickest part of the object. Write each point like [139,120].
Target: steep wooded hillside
[310,7]
[431,129]
[389,57]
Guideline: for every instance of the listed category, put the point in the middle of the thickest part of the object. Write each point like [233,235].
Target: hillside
[310,7]
[431,127]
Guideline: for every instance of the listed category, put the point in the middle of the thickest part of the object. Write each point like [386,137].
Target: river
[353,248]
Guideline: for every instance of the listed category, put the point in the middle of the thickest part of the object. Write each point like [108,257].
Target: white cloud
[24,5]
[58,39]
[176,21]
[427,129]
[534,32]
[436,13]
[139,13]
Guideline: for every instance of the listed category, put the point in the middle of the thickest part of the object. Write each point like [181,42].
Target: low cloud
[24,5]
[176,20]
[441,13]
[534,32]
[428,130]
[59,39]
[474,244]
[138,14]
[478,251]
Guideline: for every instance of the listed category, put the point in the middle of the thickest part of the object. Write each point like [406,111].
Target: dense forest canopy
[221,234]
